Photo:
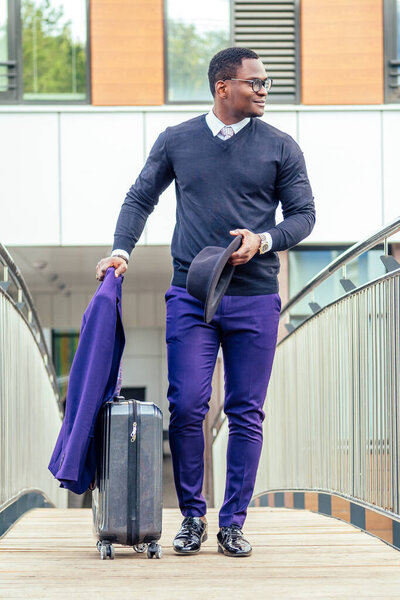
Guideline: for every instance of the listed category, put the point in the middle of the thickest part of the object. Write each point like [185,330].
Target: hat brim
[220,279]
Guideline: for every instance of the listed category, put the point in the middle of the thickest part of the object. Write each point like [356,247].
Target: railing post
[388,260]
[20,300]
[347,284]
[5,283]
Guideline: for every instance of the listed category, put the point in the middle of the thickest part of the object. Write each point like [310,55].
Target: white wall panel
[29,192]
[77,306]
[285,121]
[142,342]
[130,310]
[145,365]
[101,154]
[343,156]
[162,341]
[62,311]
[44,306]
[142,372]
[157,122]
[160,310]
[161,223]
[391,155]
[147,310]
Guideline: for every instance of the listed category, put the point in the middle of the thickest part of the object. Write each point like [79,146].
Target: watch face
[264,247]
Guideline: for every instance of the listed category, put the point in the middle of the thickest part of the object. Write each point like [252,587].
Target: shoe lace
[234,531]
[190,525]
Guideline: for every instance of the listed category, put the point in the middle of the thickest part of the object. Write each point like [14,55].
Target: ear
[221,89]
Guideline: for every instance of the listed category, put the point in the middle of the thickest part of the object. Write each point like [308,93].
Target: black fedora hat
[210,274]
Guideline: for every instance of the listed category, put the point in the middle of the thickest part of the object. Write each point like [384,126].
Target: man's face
[242,101]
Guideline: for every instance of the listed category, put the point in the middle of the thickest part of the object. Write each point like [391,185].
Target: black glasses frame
[256,84]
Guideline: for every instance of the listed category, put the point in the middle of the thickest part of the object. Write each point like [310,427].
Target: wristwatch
[265,245]
[121,256]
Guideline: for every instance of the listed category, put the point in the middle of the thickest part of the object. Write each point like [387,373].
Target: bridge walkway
[51,553]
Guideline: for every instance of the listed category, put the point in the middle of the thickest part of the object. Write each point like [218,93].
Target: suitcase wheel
[154,550]
[106,550]
[140,548]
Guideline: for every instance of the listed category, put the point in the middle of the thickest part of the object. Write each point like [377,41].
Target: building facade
[87,86]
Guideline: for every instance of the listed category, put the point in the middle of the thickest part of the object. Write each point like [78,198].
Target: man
[231,170]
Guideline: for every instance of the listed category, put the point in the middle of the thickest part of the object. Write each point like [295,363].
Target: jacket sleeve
[142,197]
[294,192]
[100,348]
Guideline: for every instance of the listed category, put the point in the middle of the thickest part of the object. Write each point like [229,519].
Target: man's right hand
[111,261]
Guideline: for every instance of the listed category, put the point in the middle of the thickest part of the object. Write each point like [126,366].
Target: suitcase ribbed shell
[127,501]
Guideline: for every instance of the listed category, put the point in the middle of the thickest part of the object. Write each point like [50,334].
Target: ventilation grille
[270,29]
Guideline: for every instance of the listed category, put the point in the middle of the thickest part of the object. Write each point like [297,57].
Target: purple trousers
[246,328]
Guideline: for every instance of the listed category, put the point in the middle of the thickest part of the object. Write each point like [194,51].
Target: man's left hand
[250,245]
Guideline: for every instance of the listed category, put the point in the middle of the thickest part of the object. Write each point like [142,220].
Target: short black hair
[225,64]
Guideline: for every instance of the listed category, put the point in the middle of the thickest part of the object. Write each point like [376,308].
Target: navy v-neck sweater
[223,185]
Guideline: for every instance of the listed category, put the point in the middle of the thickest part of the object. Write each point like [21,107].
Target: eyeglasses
[256,84]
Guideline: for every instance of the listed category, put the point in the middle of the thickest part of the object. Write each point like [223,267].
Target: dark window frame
[15,50]
[14,53]
[390,35]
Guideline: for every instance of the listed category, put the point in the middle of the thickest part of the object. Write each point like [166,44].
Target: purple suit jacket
[92,382]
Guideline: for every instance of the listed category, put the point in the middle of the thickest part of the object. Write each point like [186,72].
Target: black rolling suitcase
[127,500]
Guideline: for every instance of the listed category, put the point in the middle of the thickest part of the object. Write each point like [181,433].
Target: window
[392,50]
[64,345]
[195,32]
[305,262]
[43,51]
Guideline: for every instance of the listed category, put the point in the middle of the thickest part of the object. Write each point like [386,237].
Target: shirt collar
[216,125]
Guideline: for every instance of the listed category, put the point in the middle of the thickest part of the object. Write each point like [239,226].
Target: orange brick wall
[127,52]
[342,51]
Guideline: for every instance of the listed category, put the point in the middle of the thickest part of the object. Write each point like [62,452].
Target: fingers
[248,248]
[242,255]
[239,232]
[121,269]
[111,261]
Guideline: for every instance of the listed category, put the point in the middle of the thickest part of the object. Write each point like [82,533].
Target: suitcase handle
[118,398]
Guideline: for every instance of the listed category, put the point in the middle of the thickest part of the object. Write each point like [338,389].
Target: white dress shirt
[216,125]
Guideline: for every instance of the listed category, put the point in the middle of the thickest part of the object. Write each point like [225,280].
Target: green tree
[189,54]
[53,63]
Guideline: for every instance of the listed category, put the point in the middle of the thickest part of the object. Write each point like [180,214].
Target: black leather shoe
[232,543]
[189,538]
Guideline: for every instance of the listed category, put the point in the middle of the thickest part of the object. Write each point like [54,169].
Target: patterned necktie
[227,132]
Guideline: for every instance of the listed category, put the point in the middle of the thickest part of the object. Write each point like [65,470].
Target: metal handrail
[33,321]
[350,254]
[334,266]
[332,426]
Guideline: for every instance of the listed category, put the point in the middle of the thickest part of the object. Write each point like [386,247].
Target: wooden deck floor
[51,553]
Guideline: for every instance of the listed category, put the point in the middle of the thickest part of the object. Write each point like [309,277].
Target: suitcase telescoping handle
[134,424]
